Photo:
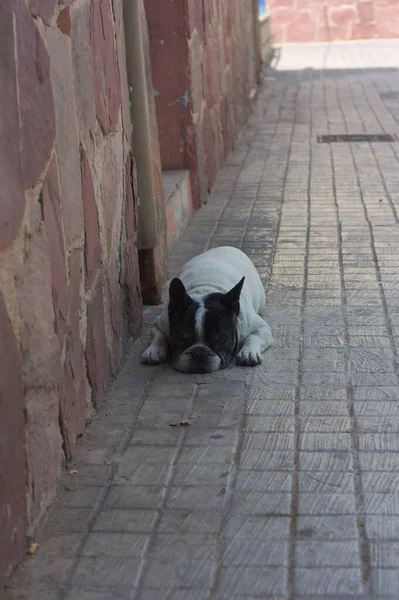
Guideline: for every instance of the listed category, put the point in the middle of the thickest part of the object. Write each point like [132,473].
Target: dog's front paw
[248,358]
[153,355]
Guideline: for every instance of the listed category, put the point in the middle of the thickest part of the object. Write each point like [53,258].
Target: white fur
[219,270]
[157,352]
[200,322]
[259,340]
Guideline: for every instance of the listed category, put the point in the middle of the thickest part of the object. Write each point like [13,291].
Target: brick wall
[205,64]
[69,278]
[325,20]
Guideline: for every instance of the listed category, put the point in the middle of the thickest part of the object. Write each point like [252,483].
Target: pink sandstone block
[35,97]
[105,68]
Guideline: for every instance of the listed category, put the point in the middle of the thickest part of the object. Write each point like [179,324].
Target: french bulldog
[212,316]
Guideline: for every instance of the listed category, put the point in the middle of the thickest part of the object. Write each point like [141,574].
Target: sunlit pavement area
[286,483]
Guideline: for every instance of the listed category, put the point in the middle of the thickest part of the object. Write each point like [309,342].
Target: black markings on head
[216,328]
[181,311]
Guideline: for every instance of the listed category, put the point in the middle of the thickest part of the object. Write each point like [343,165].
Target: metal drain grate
[356,137]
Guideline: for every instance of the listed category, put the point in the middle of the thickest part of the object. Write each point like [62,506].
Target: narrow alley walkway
[286,483]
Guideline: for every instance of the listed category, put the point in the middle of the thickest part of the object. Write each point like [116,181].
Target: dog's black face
[203,330]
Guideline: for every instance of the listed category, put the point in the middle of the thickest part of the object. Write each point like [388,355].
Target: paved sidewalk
[286,483]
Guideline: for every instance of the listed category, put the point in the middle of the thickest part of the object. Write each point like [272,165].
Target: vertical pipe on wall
[147,230]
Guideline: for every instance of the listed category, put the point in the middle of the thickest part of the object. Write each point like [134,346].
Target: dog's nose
[200,353]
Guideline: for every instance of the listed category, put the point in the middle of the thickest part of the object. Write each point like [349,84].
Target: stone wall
[328,20]
[69,277]
[205,64]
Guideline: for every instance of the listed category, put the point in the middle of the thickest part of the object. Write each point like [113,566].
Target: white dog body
[206,279]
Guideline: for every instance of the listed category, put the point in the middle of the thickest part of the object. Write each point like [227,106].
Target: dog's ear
[179,300]
[232,298]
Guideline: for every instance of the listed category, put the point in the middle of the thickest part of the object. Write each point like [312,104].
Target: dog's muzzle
[197,359]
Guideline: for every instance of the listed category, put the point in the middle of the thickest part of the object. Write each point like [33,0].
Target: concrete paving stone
[191,521]
[156,437]
[327,528]
[196,497]
[125,496]
[261,460]
[210,437]
[203,455]
[191,474]
[384,554]
[380,461]
[268,441]
[65,519]
[175,593]
[106,571]
[122,544]
[323,341]
[147,474]
[325,424]
[263,481]
[46,581]
[157,410]
[221,389]
[252,526]
[163,573]
[196,547]
[114,592]
[321,409]
[322,393]
[373,379]
[54,546]
[327,554]
[326,581]
[384,364]
[269,424]
[311,441]
[386,582]
[375,442]
[125,520]
[262,401]
[377,393]
[322,365]
[325,483]
[260,581]
[379,482]
[219,402]
[169,393]
[383,504]
[146,455]
[96,455]
[323,378]
[260,503]
[386,410]
[208,419]
[367,341]
[81,497]
[326,504]
[255,553]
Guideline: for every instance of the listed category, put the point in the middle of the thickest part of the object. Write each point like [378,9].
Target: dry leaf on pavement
[179,423]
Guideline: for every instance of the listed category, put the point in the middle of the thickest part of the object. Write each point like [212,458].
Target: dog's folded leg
[259,340]
[157,352]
